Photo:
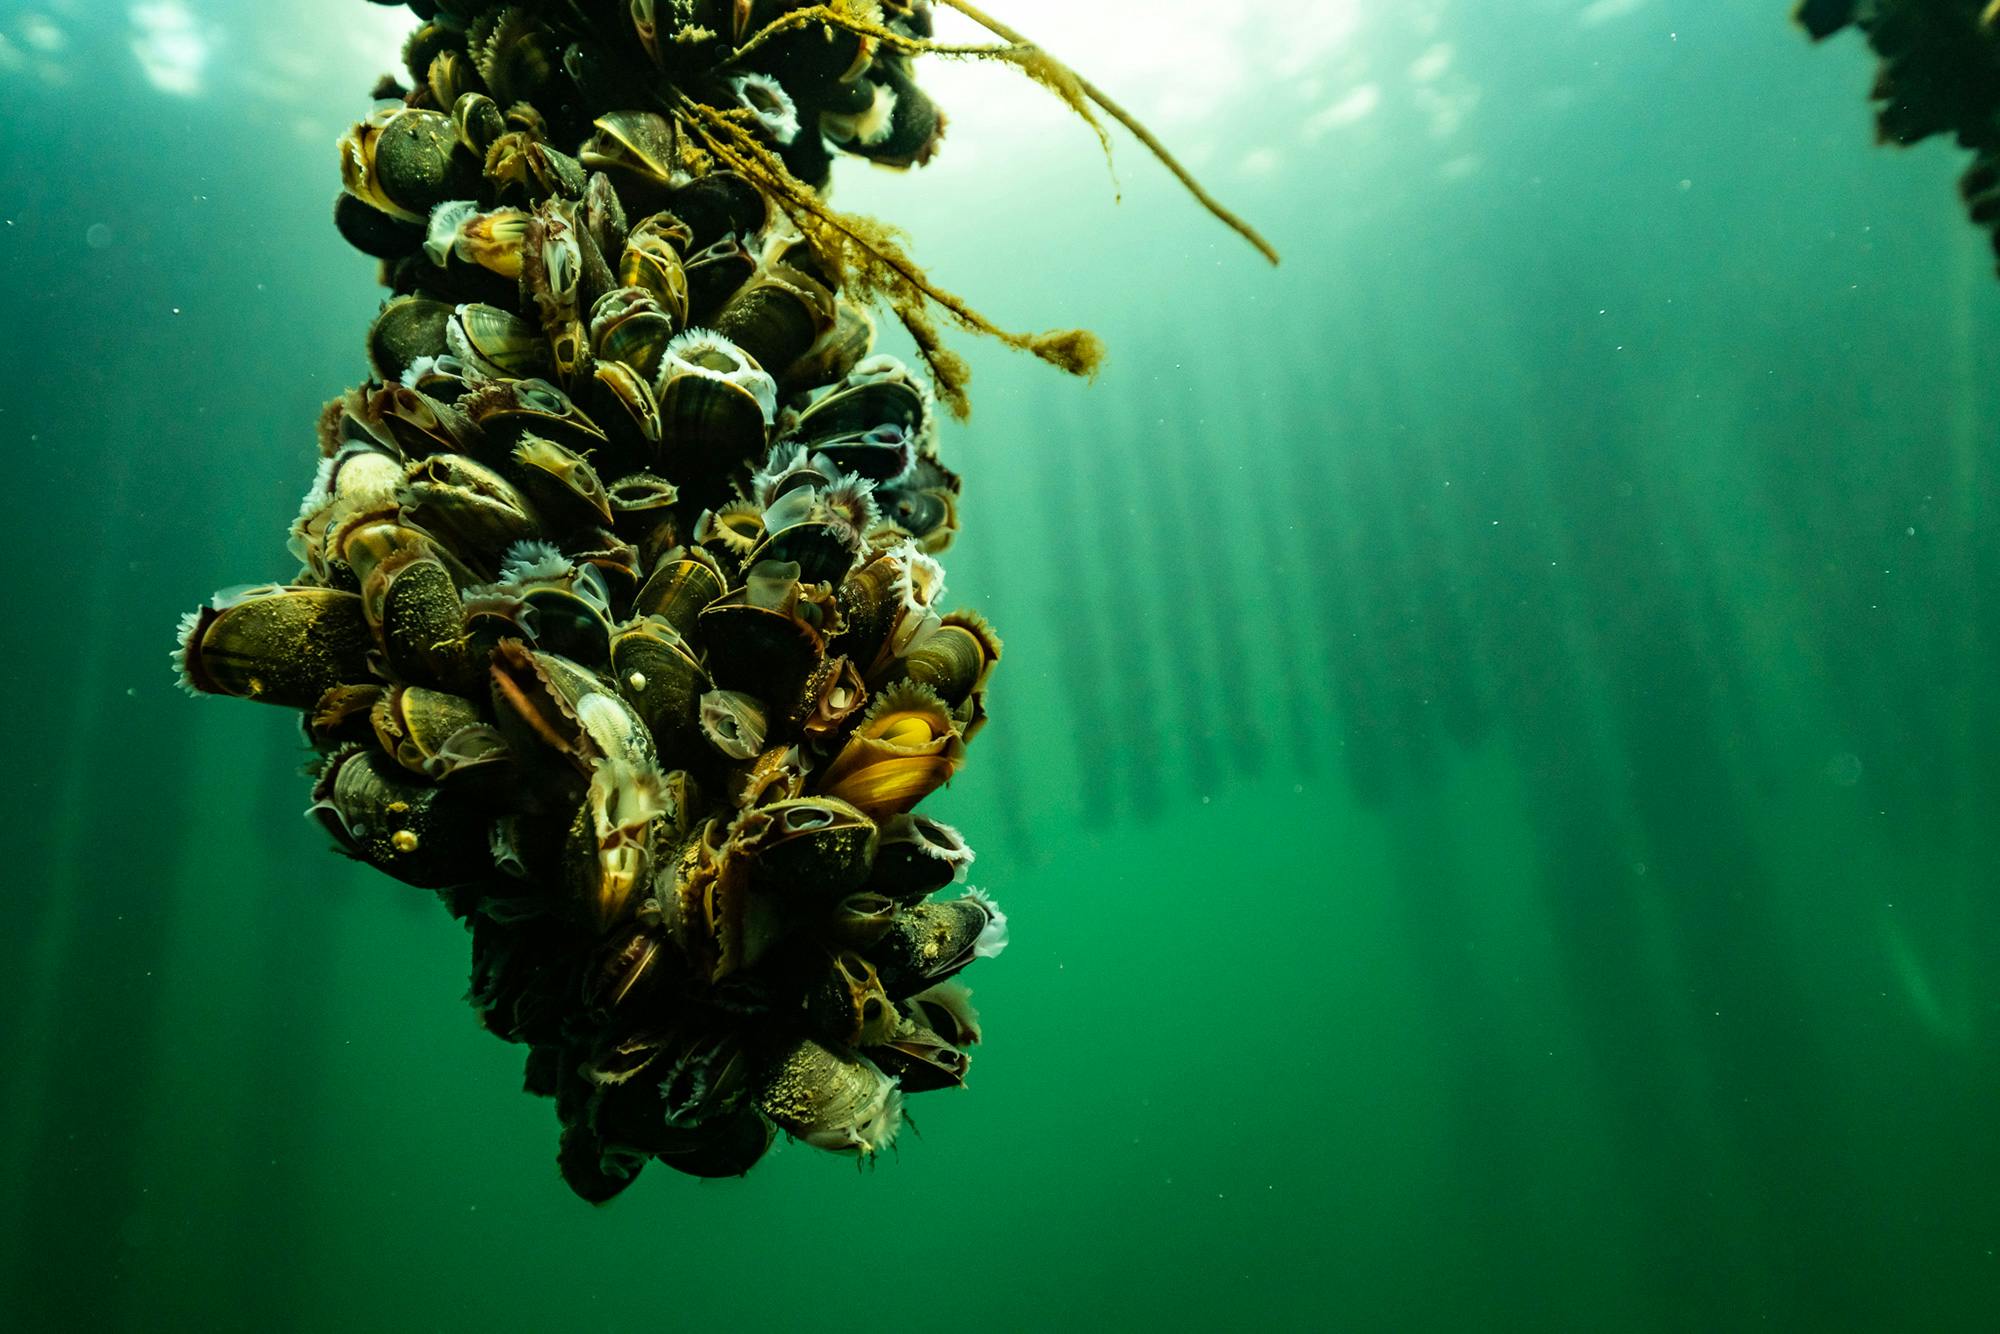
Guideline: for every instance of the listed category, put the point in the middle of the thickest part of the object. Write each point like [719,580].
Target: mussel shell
[836,1103]
[678,589]
[759,650]
[714,274]
[476,511]
[930,942]
[373,232]
[813,849]
[413,724]
[409,328]
[628,324]
[515,985]
[727,1148]
[916,125]
[951,661]
[836,352]
[629,412]
[777,316]
[546,702]
[718,204]
[946,1009]
[705,1076]
[916,856]
[709,424]
[497,343]
[823,550]
[420,834]
[660,676]
[861,919]
[919,1060]
[847,1007]
[418,162]
[280,645]
[568,619]
[507,409]
[638,149]
[560,483]
[596,1173]
[905,747]
[419,620]
[929,514]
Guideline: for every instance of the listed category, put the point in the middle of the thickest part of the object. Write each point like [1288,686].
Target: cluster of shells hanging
[618,623]
[1939,74]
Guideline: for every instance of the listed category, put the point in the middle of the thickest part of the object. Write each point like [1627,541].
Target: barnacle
[617,620]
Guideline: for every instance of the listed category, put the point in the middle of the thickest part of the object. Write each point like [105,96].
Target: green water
[1493,778]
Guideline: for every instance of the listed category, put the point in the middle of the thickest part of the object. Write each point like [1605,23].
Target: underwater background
[1494,777]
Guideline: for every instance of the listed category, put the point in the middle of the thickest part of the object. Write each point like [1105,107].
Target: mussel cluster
[618,620]
[1939,74]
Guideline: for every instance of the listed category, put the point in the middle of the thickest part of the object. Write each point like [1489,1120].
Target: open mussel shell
[812,848]
[506,410]
[637,151]
[955,659]
[560,483]
[920,1061]
[420,834]
[545,702]
[928,514]
[280,645]
[608,858]
[823,549]
[705,1074]
[847,1007]
[916,856]
[905,747]
[473,509]
[916,125]
[946,1009]
[838,1103]
[929,942]
[861,919]
[835,352]
[733,722]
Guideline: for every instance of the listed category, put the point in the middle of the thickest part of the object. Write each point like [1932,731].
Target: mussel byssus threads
[619,622]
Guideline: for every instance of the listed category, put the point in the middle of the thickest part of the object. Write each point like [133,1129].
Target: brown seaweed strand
[854,23]
[886,270]
[1125,118]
